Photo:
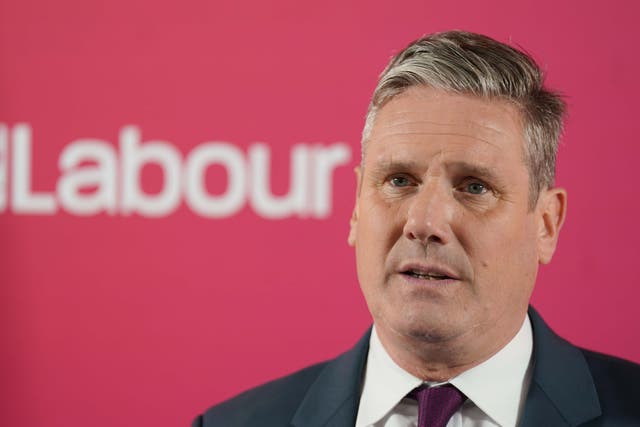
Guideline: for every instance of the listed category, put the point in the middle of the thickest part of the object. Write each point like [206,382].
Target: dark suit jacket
[569,387]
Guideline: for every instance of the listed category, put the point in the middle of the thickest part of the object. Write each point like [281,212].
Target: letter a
[75,177]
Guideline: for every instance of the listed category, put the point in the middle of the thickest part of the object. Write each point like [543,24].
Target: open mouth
[426,276]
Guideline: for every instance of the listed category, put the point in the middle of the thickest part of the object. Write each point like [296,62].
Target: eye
[475,187]
[399,181]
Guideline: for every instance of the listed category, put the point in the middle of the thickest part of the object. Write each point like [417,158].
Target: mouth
[426,275]
[432,273]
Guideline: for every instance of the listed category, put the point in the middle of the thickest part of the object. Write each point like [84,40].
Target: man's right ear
[353,222]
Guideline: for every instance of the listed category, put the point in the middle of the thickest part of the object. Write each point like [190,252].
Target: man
[455,210]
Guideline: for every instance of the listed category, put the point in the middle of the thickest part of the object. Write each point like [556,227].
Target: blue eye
[476,188]
[400,181]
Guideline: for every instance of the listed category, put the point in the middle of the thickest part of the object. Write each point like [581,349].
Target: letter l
[24,200]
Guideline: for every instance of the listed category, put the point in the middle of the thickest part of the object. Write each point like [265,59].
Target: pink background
[118,320]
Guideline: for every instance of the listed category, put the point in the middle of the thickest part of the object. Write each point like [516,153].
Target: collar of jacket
[562,391]
[561,394]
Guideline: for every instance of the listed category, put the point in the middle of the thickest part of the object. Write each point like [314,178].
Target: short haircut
[474,64]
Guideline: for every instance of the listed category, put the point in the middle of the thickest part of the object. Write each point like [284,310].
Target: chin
[431,334]
[430,329]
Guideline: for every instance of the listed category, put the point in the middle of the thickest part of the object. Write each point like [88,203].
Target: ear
[552,209]
[353,223]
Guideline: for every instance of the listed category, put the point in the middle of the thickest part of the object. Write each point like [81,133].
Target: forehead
[426,121]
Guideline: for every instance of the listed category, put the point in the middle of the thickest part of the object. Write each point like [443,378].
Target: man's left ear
[552,208]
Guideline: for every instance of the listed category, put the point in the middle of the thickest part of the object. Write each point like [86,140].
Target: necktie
[436,404]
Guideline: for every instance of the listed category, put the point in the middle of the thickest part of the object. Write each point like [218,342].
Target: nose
[429,215]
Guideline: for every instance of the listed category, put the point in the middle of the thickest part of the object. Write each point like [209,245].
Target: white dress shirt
[496,389]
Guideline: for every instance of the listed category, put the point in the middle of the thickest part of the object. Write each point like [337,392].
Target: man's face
[446,243]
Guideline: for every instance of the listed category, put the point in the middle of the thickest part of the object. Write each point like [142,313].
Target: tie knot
[436,404]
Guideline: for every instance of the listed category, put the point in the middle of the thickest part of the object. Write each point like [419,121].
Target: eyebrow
[475,170]
[466,168]
[391,164]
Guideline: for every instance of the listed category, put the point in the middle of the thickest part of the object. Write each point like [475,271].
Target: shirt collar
[385,384]
[497,386]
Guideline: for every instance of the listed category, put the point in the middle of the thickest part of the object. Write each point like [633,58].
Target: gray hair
[468,63]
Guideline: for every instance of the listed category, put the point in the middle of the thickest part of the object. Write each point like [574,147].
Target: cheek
[377,232]
[497,239]
[505,261]
[380,224]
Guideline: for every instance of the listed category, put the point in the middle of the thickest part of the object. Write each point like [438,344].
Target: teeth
[428,276]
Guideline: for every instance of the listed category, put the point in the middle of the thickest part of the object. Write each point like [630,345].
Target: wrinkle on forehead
[436,112]
[471,125]
[426,115]
[394,135]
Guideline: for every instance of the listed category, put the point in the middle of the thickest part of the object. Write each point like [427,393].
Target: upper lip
[428,268]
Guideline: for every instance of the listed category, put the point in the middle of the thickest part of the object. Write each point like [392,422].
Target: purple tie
[436,404]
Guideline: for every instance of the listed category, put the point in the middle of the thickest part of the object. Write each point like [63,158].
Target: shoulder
[323,392]
[617,382]
[582,386]
[273,403]
[610,369]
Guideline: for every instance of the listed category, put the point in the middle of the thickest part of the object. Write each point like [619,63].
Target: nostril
[425,236]
[434,239]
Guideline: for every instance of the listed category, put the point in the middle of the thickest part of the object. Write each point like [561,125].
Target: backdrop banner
[176,183]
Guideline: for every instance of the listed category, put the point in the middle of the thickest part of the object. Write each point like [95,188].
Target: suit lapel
[562,392]
[540,410]
[334,397]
